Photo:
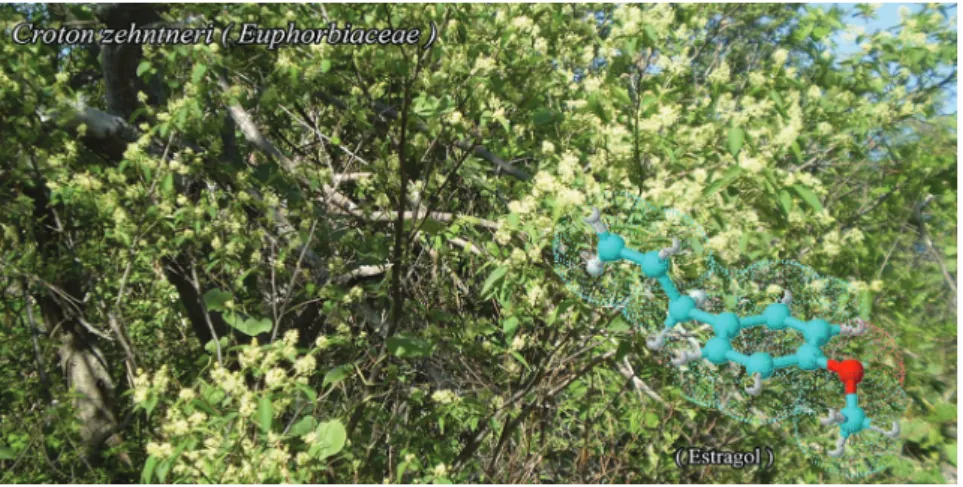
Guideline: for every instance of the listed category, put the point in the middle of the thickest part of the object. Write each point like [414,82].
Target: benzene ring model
[718,350]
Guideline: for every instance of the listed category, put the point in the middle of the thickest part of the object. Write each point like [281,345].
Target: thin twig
[207,317]
[290,290]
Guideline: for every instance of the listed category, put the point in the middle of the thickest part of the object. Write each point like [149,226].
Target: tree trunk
[83,363]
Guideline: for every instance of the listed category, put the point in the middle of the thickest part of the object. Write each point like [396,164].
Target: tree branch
[386,112]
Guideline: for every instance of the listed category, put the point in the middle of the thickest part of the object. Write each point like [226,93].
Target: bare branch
[362,272]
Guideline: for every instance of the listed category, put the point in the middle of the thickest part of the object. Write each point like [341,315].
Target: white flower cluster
[832,244]
[592,84]
[666,116]
[805,179]
[141,386]
[683,194]
[162,450]
[749,163]
[791,129]
[518,343]
[444,396]
[568,167]
[757,79]
[726,243]
[504,234]
[661,17]
[275,378]
[720,74]
[630,18]
[818,285]
[484,65]
[535,295]
[182,420]
[251,355]
[814,93]
[305,365]
[522,23]
[779,57]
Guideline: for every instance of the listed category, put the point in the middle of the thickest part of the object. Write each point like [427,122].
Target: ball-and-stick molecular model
[718,350]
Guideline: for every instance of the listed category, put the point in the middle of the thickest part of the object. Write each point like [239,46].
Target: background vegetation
[333,263]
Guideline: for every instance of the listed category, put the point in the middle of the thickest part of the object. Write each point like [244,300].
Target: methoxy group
[726,326]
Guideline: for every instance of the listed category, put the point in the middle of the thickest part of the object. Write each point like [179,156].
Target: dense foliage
[333,263]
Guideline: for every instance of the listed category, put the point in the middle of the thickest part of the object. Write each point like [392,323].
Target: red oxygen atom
[850,373]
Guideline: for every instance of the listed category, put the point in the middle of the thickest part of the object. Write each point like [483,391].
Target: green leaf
[720,183]
[421,106]
[802,32]
[7,453]
[808,196]
[198,73]
[304,426]
[186,443]
[943,413]
[646,101]
[820,32]
[308,392]
[167,185]
[785,201]
[325,65]
[234,318]
[336,375]
[163,469]
[951,453]
[203,406]
[211,347]
[494,277]
[597,105]
[915,430]
[407,346]
[865,303]
[621,95]
[521,359]
[148,471]
[650,34]
[509,326]
[737,138]
[776,97]
[743,242]
[630,46]
[542,116]
[668,150]
[180,119]
[215,299]
[618,324]
[265,413]
[404,465]
[251,326]
[779,104]
[239,282]
[331,439]
[142,67]
[797,151]
[150,404]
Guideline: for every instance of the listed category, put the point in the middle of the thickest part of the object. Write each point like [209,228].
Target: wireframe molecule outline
[718,350]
